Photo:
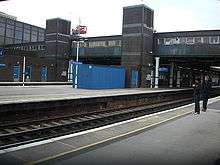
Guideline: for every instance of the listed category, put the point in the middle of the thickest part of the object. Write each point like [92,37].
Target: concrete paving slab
[40,152]
[7,159]
[215,106]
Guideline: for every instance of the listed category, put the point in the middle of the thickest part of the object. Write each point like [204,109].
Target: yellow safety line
[103,141]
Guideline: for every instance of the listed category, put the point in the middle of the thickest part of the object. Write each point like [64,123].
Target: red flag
[81,29]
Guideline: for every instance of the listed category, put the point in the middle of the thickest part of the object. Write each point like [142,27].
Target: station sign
[2,65]
[1,52]
[163,69]
[81,29]
[76,63]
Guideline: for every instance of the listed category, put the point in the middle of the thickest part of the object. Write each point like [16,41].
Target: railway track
[15,134]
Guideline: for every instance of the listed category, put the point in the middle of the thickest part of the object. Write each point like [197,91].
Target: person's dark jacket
[205,88]
[196,89]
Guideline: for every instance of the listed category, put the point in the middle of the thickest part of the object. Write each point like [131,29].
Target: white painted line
[99,128]
[2,152]
[28,145]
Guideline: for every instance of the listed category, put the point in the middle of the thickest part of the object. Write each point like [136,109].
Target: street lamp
[76,63]
[79,40]
[79,30]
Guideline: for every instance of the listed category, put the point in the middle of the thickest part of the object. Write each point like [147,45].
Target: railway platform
[175,136]
[40,93]
[39,98]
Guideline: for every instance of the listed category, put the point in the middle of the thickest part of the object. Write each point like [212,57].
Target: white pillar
[157,72]
[178,79]
[23,71]
[151,78]
[77,59]
[171,74]
[70,71]
[77,51]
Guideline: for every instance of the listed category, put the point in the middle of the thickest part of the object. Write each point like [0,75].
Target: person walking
[205,88]
[196,95]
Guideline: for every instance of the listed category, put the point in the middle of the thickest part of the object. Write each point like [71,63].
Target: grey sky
[104,17]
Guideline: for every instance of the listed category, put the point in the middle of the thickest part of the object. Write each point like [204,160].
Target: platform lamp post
[80,30]
[77,60]
[150,65]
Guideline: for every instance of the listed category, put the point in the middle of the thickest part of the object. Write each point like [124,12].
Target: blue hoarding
[99,77]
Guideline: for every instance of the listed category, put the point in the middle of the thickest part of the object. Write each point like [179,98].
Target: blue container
[99,77]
